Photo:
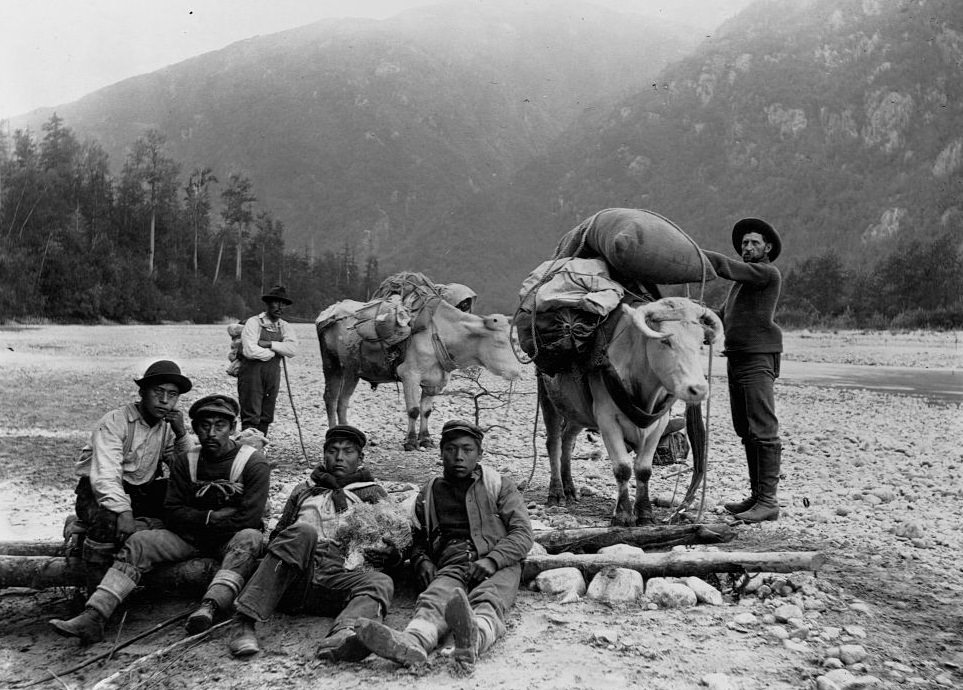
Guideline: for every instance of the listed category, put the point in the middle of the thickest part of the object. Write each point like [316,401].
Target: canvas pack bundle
[386,321]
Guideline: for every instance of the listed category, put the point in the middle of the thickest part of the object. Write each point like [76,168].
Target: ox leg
[333,381]
[624,515]
[570,432]
[648,441]
[412,389]
[427,405]
[553,444]
[348,384]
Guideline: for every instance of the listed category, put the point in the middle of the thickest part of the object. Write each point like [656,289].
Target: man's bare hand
[126,525]
[176,419]
[220,515]
[426,572]
[480,570]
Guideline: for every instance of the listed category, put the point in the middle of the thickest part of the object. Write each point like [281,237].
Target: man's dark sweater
[748,313]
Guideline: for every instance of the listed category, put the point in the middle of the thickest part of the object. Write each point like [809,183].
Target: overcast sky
[55,51]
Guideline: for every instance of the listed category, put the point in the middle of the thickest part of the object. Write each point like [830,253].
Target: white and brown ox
[443,339]
[652,359]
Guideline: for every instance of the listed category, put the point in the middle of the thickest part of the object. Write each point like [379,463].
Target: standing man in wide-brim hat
[753,346]
[121,487]
[266,338]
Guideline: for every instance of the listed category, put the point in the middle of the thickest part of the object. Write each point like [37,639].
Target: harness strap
[230,486]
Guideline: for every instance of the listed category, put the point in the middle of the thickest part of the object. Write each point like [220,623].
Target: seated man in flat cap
[121,487]
[471,532]
[214,506]
[304,569]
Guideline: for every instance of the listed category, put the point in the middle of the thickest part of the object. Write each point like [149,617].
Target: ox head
[674,330]
[489,339]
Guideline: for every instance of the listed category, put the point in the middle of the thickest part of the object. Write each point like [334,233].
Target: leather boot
[767,502]
[464,627]
[342,643]
[401,647]
[88,626]
[243,641]
[752,461]
[202,619]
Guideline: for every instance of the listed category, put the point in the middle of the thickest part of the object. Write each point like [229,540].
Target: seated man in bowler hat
[214,507]
[265,339]
[471,533]
[304,569]
[122,487]
[753,346]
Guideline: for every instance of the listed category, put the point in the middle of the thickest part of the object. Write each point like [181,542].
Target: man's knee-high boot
[752,460]
[117,584]
[767,501]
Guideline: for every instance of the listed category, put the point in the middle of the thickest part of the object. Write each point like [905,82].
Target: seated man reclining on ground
[305,570]
[214,506]
[471,532]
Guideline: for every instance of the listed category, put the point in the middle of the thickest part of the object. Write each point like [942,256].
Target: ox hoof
[623,521]
[426,443]
[555,500]
[411,445]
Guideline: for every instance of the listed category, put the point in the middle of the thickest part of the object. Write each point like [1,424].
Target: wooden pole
[679,563]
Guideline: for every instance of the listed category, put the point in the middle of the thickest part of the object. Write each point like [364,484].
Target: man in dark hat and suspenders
[264,340]
[304,569]
[214,506]
[121,487]
[753,345]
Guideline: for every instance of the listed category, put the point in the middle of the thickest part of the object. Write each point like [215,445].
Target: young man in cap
[121,487]
[753,346]
[265,339]
[471,532]
[215,505]
[304,569]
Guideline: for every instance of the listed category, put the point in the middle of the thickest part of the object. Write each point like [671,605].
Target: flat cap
[223,405]
[460,426]
[345,432]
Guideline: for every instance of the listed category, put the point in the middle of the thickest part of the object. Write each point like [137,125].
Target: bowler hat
[223,405]
[763,228]
[345,432]
[459,426]
[277,294]
[164,371]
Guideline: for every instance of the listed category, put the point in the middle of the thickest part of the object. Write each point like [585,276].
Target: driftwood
[39,572]
[591,539]
[679,563]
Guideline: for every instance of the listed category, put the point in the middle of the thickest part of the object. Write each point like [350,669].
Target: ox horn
[712,325]
[641,315]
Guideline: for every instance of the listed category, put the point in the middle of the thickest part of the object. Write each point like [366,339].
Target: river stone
[718,681]
[842,679]
[910,529]
[705,593]
[669,594]
[621,551]
[561,581]
[851,654]
[616,584]
[537,550]
[787,611]
[745,619]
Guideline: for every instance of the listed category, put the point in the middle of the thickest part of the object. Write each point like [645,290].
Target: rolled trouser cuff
[116,585]
[490,626]
[224,588]
[99,552]
[424,631]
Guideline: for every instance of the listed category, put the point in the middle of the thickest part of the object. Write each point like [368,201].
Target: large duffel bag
[640,246]
[557,338]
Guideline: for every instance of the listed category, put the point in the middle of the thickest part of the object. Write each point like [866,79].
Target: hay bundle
[380,525]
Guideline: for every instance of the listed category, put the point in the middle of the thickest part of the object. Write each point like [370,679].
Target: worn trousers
[752,397]
[143,551]
[146,503]
[321,585]
[258,384]
[489,600]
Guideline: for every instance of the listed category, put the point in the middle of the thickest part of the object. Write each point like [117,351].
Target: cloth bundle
[380,525]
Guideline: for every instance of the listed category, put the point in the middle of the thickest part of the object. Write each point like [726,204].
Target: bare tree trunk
[237,265]
[150,255]
[195,248]
[217,268]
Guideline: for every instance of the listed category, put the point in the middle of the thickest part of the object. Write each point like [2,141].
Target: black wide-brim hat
[277,294]
[763,228]
[164,371]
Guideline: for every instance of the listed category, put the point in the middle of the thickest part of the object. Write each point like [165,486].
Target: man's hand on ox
[126,525]
[426,571]
[480,570]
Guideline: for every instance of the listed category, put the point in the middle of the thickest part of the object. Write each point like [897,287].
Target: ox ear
[496,322]
[712,325]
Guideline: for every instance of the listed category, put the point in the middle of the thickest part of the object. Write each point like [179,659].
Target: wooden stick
[680,563]
[115,680]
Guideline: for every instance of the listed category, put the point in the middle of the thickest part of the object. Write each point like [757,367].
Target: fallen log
[591,539]
[576,540]
[40,572]
[679,563]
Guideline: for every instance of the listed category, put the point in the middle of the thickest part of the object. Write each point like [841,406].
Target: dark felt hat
[763,228]
[346,432]
[164,371]
[461,427]
[277,294]
[222,405]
